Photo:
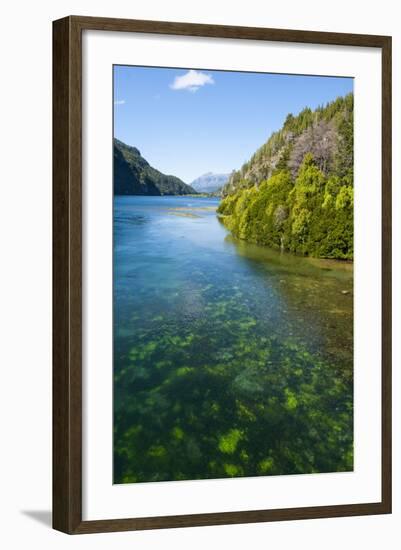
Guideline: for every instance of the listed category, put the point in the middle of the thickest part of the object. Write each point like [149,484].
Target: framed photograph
[222,274]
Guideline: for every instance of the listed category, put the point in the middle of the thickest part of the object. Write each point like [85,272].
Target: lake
[230,359]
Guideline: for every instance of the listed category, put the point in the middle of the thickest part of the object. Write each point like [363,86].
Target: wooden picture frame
[67,273]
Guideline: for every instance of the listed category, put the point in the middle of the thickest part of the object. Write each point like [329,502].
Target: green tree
[296,192]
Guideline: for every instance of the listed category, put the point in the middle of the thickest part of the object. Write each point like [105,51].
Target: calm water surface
[230,359]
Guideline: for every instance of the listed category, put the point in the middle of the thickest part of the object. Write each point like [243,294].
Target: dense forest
[296,192]
[133,175]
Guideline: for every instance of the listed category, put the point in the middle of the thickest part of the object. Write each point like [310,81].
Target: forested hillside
[133,175]
[296,192]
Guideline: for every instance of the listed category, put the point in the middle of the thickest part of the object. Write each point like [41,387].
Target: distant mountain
[209,183]
[133,175]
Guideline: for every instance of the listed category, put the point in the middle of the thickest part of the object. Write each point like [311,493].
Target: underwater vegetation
[233,403]
[230,359]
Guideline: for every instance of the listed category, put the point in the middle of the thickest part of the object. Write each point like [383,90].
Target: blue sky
[188,122]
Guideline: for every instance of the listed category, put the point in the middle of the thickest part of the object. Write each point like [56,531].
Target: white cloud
[119,102]
[191,81]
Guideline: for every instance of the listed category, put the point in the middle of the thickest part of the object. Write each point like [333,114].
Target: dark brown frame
[67,274]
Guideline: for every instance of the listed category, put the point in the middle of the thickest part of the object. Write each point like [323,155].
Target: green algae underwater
[230,359]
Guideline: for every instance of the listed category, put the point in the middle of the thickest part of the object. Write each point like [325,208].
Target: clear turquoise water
[230,359]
